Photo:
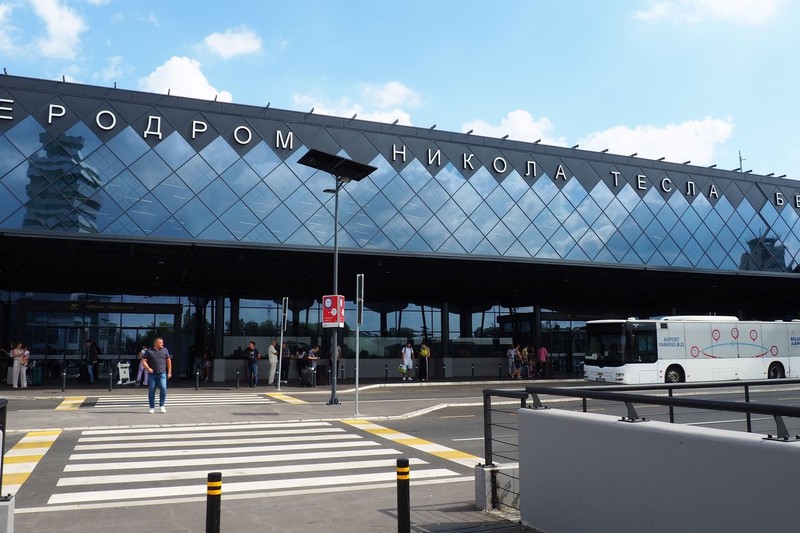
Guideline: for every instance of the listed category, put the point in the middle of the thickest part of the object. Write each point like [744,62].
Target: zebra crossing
[161,465]
[183,400]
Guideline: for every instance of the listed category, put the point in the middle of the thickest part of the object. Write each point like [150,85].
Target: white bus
[690,348]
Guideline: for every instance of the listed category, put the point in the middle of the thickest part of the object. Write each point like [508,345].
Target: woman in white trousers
[18,372]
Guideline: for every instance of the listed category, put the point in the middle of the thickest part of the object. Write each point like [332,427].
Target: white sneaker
[152,411]
[163,409]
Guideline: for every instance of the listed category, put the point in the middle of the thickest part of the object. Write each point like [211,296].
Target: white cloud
[518,125]
[693,140]
[381,103]
[390,94]
[746,12]
[182,76]
[233,42]
[115,69]
[99,2]
[8,32]
[63,27]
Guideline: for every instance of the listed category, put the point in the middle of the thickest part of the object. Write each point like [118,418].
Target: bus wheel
[776,371]
[674,374]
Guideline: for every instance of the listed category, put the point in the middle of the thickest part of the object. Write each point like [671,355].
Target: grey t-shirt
[157,359]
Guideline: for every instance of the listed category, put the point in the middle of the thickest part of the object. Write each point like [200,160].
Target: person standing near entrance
[252,355]
[424,360]
[92,358]
[272,356]
[157,363]
[19,354]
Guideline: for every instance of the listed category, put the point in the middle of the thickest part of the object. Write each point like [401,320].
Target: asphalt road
[290,462]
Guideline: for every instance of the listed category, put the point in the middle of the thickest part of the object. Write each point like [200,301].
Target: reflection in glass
[62,187]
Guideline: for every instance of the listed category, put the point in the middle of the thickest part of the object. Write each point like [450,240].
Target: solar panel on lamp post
[343,171]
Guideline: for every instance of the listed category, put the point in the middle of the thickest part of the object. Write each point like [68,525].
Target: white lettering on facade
[560,173]
[691,188]
[616,177]
[641,182]
[500,165]
[396,152]
[99,122]
[435,156]
[55,110]
[247,131]
[530,168]
[288,142]
[4,107]
[779,200]
[198,126]
[797,201]
[666,185]
[467,160]
[153,127]
[712,192]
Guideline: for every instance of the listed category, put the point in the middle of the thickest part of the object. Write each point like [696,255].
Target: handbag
[401,368]
[24,360]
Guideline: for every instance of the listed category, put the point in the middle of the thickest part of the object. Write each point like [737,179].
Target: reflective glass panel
[174,150]
[150,170]
[128,145]
[219,155]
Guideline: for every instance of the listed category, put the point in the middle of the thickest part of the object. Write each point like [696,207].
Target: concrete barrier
[584,472]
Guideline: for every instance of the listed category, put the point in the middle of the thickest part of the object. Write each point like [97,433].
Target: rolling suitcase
[307,377]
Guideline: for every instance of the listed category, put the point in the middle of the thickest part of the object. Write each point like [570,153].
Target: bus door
[725,350]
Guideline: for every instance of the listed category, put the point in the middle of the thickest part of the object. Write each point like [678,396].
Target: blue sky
[699,80]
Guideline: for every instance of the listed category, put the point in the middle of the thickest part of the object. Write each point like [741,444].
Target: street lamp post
[343,171]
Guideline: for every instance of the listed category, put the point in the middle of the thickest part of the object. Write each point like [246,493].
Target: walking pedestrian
[157,362]
[141,375]
[407,358]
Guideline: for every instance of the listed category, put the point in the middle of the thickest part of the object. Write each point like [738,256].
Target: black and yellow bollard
[403,496]
[213,502]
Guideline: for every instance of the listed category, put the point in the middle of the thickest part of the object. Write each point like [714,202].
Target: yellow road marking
[281,397]
[20,462]
[422,445]
[71,403]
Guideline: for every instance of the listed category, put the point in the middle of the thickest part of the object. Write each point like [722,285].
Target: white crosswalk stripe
[168,464]
[182,400]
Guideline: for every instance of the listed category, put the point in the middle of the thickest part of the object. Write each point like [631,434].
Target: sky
[706,81]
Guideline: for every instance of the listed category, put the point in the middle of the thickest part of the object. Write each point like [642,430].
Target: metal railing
[501,435]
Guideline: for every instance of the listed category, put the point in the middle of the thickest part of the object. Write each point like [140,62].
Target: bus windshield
[617,344]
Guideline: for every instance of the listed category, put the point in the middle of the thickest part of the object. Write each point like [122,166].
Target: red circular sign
[774,350]
[735,333]
[753,334]
[715,334]
[695,351]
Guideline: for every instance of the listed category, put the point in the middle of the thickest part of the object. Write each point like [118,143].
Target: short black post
[196,380]
[237,379]
[444,371]
[110,377]
[213,501]
[403,496]
[473,372]
[341,367]
[63,380]
[500,371]
[386,373]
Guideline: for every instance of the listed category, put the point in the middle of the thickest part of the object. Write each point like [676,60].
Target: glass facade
[190,176]
[79,160]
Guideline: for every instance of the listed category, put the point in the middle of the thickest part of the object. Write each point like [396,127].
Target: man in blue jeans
[158,364]
[252,355]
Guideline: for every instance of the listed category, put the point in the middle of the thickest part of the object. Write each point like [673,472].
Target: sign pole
[284,310]
[359,320]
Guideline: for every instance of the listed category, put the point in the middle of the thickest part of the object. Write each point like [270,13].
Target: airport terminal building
[125,215]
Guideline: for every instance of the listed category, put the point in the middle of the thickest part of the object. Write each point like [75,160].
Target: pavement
[434,507]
